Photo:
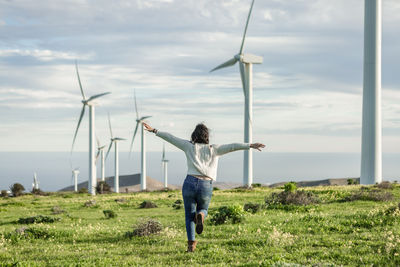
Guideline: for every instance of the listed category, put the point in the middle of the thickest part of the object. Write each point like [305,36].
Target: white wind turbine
[371,149]
[114,140]
[246,62]
[75,173]
[100,152]
[92,160]
[140,121]
[165,167]
[35,184]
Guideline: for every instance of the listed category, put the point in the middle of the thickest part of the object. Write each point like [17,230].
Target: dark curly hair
[200,134]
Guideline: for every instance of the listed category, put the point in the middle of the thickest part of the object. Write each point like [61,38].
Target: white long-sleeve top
[202,159]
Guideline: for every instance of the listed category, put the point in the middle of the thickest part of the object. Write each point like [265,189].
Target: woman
[202,163]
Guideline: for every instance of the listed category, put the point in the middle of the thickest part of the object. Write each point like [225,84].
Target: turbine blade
[77,127]
[228,63]
[98,142]
[97,155]
[109,124]
[137,113]
[243,77]
[79,80]
[97,96]
[133,138]
[109,148]
[144,117]
[245,29]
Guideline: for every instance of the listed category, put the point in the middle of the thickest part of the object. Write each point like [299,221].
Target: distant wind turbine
[140,121]
[246,62]
[92,160]
[114,140]
[165,167]
[100,152]
[75,173]
[35,184]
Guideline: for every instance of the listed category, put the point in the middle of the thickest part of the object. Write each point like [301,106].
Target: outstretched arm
[178,142]
[223,149]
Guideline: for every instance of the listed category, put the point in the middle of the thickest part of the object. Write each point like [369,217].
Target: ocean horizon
[54,171]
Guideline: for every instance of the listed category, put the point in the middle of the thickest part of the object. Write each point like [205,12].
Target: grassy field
[334,232]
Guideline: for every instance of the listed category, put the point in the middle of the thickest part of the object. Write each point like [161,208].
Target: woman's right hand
[257,146]
[148,127]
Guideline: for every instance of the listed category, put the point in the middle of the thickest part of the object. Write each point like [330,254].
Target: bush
[216,188]
[225,214]
[252,207]
[4,193]
[37,219]
[146,228]
[290,187]
[177,204]
[103,188]
[90,203]
[109,214]
[373,195]
[83,190]
[121,200]
[57,210]
[31,232]
[17,189]
[256,185]
[147,205]
[300,197]
[385,185]
[38,192]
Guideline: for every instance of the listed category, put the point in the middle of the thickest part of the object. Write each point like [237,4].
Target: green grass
[330,233]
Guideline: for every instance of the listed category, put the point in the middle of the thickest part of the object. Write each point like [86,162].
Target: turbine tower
[143,174]
[371,149]
[165,167]
[100,152]
[114,140]
[35,184]
[92,160]
[246,62]
[75,173]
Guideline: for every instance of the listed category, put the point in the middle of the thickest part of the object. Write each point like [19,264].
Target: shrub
[120,200]
[373,195]
[109,214]
[57,210]
[177,204]
[103,188]
[4,193]
[216,188]
[252,207]
[146,228]
[225,214]
[90,203]
[37,219]
[38,192]
[83,190]
[17,189]
[385,185]
[290,187]
[256,185]
[300,197]
[147,205]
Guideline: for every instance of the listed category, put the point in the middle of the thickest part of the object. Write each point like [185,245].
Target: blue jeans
[196,198]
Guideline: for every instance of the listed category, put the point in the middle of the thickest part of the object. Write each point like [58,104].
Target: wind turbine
[165,167]
[246,62]
[35,184]
[74,176]
[371,149]
[100,152]
[114,140]
[140,121]
[92,160]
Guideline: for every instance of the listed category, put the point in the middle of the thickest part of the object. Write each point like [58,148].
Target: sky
[307,93]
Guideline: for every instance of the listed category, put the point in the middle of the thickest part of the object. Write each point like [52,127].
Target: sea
[54,172]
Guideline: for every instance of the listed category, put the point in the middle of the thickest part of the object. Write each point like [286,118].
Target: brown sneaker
[199,221]
[191,246]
